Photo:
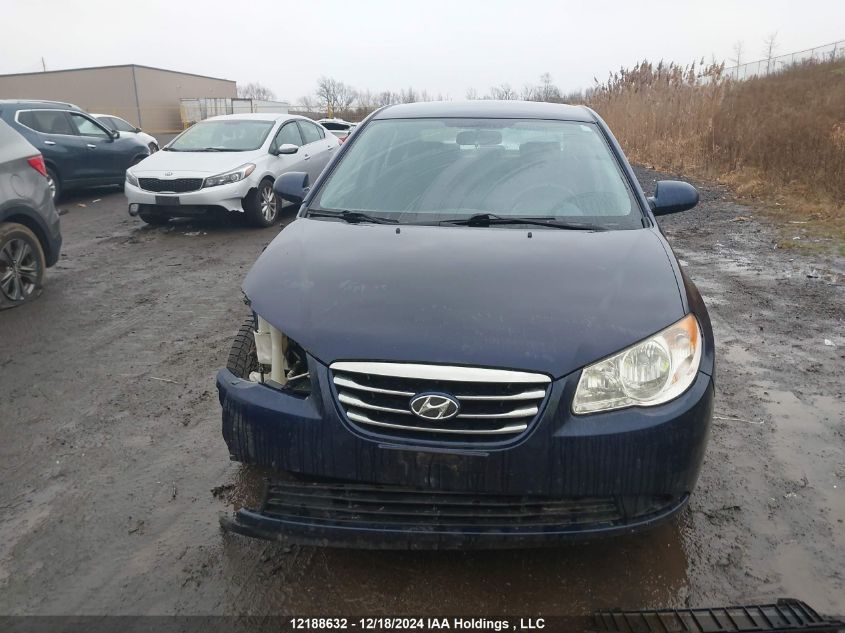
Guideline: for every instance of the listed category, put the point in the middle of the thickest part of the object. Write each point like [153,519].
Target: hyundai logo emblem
[434,406]
[168,173]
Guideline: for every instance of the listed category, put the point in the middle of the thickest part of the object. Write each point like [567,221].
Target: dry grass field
[778,139]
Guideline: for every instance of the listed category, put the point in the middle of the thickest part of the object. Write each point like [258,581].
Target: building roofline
[68,70]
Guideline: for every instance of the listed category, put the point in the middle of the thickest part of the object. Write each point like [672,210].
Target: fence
[827,52]
[193,110]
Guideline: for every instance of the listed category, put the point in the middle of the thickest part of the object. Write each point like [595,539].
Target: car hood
[187,163]
[548,301]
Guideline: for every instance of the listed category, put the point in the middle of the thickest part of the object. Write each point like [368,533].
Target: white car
[340,128]
[127,129]
[227,163]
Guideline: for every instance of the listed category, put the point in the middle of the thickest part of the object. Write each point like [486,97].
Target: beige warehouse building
[145,96]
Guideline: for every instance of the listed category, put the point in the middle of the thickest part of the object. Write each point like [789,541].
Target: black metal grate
[785,615]
[392,506]
[174,185]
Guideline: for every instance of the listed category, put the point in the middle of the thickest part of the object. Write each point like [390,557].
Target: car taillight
[37,163]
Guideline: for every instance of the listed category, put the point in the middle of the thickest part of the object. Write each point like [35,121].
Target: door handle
[91,145]
[49,142]
[307,157]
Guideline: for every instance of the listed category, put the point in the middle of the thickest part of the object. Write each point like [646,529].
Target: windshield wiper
[353,217]
[491,219]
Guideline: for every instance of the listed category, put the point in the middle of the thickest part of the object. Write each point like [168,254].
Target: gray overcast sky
[443,47]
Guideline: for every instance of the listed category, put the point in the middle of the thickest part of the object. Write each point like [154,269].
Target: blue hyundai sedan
[474,334]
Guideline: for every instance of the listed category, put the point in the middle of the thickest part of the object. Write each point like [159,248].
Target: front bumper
[624,457]
[229,197]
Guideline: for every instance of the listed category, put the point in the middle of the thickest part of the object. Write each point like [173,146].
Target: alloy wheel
[268,202]
[19,270]
[52,184]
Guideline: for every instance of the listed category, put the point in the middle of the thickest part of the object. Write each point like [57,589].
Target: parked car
[30,237]
[227,163]
[340,128]
[127,129]
[78,150]
[473,334]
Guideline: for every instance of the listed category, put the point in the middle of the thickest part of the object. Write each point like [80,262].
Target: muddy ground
[111,445]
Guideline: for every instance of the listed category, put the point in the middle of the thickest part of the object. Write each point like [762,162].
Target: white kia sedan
[127,129]
[227,163]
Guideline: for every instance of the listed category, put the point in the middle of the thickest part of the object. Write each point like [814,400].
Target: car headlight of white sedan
[652,372]
[131,179]
[228,177]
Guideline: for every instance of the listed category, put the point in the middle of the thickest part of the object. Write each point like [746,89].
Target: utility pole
[43,65]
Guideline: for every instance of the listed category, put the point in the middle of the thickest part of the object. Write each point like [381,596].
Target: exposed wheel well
[22,217]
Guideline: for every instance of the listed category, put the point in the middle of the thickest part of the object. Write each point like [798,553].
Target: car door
[288,134]
[317,147]
[107,159]
[53,134]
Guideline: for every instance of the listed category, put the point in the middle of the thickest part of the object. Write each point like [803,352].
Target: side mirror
[114,134]
[287,148]
[292,186]
[672,196]
[137,130]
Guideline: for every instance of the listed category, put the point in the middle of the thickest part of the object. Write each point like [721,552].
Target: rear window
[424,170]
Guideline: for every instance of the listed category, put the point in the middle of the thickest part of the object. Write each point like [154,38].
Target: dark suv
[78,150]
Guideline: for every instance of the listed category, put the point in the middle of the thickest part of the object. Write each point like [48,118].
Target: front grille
[173,185]
[495,404]
[378,505]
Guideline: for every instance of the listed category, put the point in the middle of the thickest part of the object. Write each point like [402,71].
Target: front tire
[22,265]
[243,357]
[261,205]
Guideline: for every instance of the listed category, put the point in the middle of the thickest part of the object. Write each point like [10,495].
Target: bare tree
[739,51]
[503,92]
[334,95]
[770,47]
[547,90]
[472,94]
[255,90]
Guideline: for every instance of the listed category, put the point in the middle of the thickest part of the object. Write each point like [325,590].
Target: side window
[309,132]
[120,125]
[288,134]
[46,121]
[87,127]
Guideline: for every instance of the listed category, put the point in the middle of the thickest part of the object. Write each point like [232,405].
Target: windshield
[226,136]
[430,170]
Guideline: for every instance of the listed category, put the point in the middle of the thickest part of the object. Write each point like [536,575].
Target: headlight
[130,178]
[230,176]
[649,373]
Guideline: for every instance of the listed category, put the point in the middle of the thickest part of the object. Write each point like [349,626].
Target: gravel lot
[114,471]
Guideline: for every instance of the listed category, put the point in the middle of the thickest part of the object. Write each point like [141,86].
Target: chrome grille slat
[440,372]
[355,402]
[345,382]
[515,428]
[526,395]
[516,413]
[495,404]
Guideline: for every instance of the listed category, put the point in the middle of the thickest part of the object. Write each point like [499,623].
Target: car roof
[487,109]
[254,116]
[39,103]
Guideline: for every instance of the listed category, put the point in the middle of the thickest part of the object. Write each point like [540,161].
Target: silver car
[30,238]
